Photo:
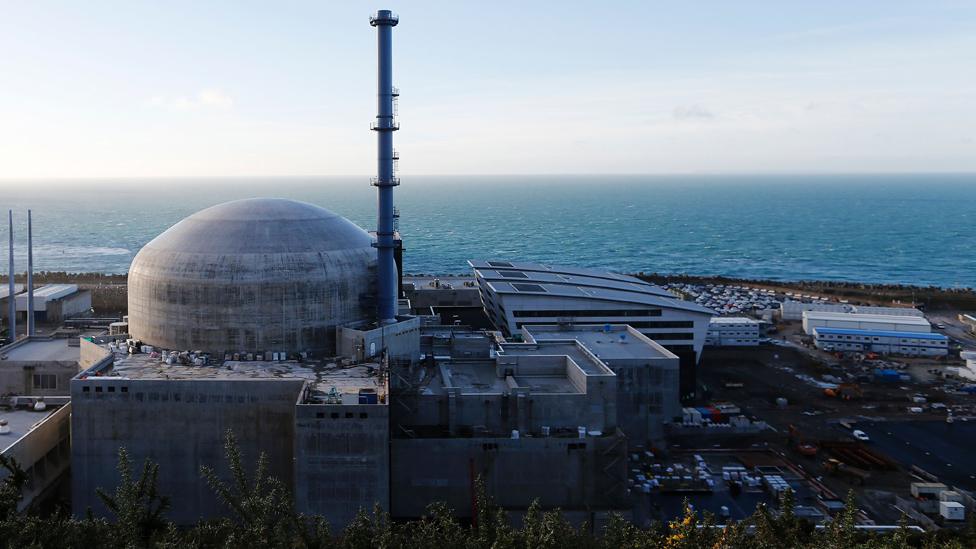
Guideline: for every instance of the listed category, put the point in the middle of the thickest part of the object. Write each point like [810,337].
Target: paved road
[945,450]
[953,328]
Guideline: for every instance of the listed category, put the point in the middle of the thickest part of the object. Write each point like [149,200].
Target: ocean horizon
[911,229]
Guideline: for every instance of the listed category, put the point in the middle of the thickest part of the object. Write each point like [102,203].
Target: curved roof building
[250,276]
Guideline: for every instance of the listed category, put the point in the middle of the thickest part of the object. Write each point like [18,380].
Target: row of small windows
[662,324]
[335,415]
[669,336]
[589,313]
[835,337]
[110,389]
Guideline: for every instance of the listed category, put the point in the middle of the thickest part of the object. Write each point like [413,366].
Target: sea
[900,229]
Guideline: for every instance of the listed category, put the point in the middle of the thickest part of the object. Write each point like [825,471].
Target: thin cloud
[692,112]
[209,98]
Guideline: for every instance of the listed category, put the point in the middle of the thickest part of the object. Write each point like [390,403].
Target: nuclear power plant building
[520,294]
[279,322]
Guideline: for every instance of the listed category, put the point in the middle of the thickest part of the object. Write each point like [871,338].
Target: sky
[130,88]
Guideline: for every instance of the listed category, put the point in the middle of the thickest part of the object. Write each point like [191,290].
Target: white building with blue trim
[881,341]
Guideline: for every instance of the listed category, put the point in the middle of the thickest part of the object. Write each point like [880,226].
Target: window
[589,313]
[669,337]
[45,381]
[522,287]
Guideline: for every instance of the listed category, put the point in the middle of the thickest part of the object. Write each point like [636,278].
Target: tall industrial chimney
[30,277]
[386,179]
[12,309]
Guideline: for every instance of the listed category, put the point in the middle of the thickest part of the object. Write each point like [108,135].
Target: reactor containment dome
[252,276]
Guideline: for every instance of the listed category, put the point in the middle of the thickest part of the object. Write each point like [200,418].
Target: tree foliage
[260,513]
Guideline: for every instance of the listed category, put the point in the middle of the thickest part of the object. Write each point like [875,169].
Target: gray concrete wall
[568,473]
[425,296]
[342,460]
[44,453]
[91,354]
[647,396]
[180,424]
[521,409]
[76,304]
[17,377]
[400,340]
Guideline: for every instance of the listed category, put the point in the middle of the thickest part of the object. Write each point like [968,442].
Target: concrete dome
[252,275]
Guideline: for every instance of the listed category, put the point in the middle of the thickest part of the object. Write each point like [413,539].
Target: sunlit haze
[132,88]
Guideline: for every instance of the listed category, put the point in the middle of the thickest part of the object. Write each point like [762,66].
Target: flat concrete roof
[604,345]
[481,378]
[589,363]
[322,376]
[43,350]
[20,423]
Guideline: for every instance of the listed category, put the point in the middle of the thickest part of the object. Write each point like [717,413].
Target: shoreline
[108,290]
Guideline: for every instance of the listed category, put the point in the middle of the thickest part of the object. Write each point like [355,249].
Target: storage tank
[250,276]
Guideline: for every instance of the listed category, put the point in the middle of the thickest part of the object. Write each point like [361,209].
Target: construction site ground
[898,436]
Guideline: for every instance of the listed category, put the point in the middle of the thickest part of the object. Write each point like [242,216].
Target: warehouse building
[733,331]
[517,294]
[55,303]
[852,321]
[792,309]
[881,341]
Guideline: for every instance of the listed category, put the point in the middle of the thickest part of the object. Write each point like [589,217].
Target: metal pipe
[385,125]
[12,305]
[30,277]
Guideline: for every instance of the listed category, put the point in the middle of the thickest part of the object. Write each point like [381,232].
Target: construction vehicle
[845,391]
[804,447]
[839,468]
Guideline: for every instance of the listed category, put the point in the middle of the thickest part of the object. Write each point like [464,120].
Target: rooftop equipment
[386,179]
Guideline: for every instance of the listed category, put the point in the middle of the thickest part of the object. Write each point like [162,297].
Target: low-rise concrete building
[532,420]
[38,366]
[39,439]
[647,373]
[728,331]
[327,447]
[444,291]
